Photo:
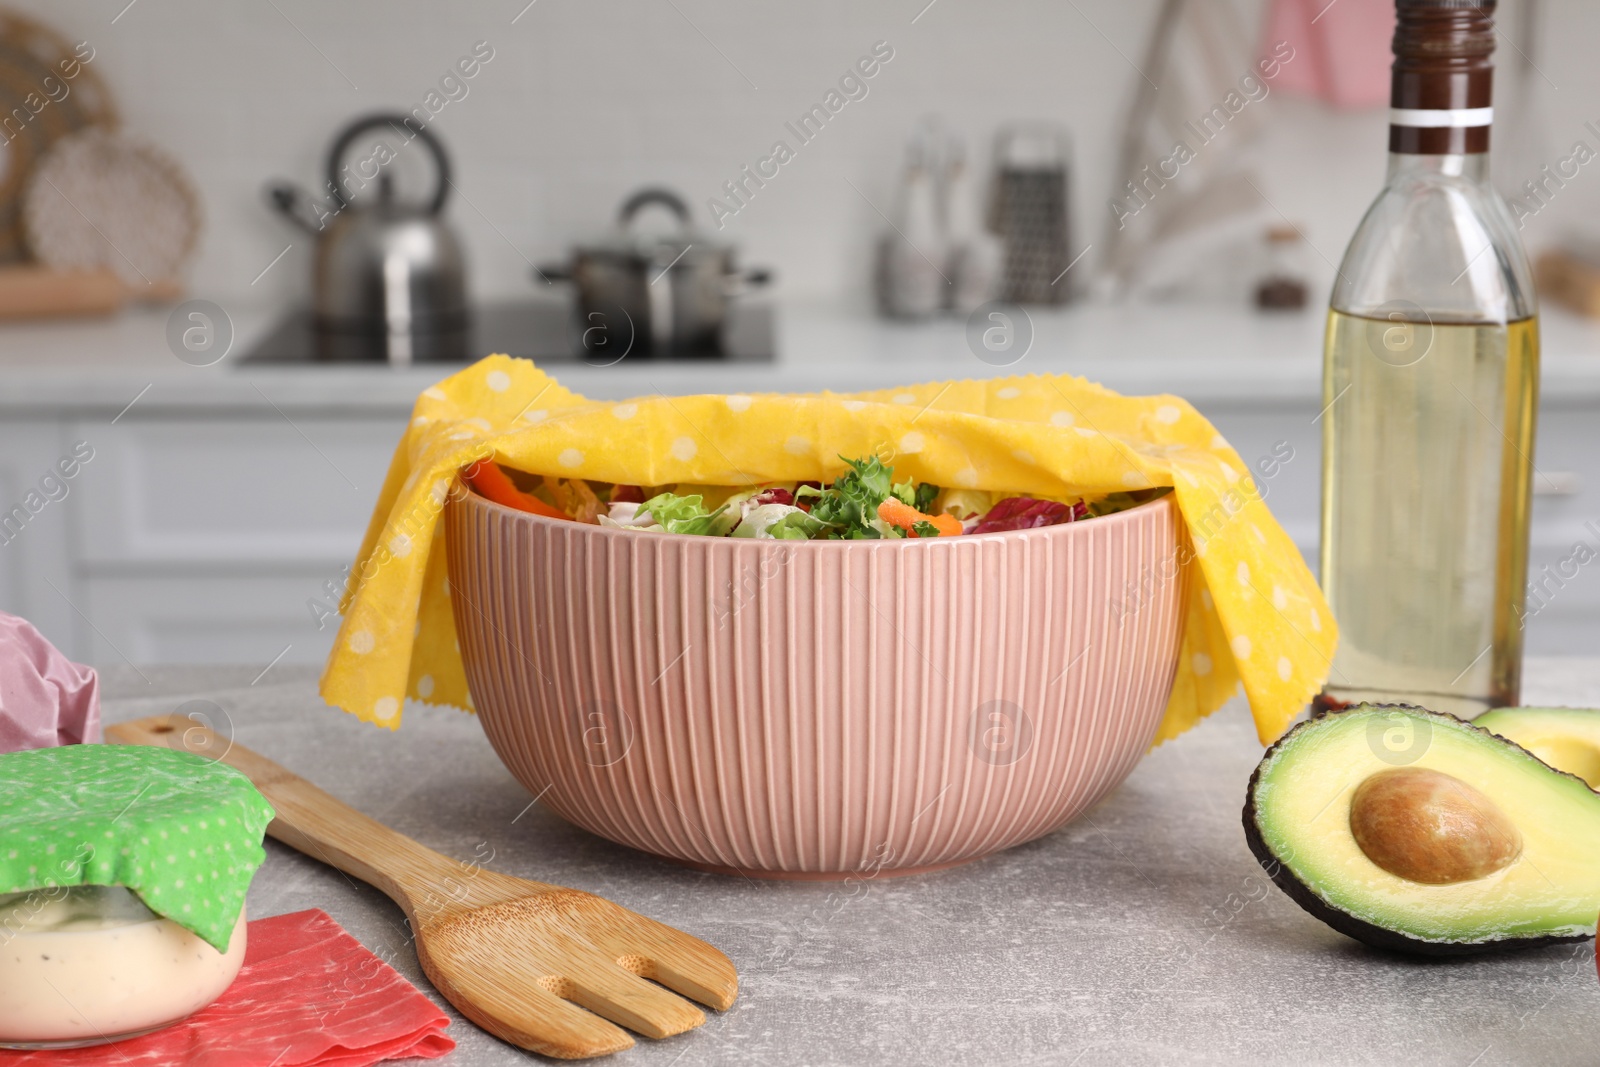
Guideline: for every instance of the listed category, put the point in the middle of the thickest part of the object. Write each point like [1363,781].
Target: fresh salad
[865,502]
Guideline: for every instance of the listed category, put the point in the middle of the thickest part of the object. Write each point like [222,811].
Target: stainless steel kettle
[389,279]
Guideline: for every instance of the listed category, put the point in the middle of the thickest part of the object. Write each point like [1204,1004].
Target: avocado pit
[1431,828]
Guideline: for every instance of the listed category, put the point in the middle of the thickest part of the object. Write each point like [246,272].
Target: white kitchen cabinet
[202,540]
[259,618]
[242,491]
[36,574]
[1564,617]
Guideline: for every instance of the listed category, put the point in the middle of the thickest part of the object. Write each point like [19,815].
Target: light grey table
[1144,933]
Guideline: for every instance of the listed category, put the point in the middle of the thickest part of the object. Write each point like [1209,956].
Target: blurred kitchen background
[1020,151]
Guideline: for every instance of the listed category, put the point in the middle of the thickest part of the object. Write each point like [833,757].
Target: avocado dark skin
[1349,925]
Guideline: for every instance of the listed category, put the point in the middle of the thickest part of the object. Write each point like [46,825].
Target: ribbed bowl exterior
[813,709]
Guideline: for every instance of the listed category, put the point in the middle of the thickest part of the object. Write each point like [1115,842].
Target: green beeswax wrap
[182,832]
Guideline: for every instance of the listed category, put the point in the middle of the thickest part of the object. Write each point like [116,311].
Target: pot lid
[684,243]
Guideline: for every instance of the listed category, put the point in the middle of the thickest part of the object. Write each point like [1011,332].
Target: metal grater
[1029,212]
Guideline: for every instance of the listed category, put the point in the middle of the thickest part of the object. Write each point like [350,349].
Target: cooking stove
[547,331]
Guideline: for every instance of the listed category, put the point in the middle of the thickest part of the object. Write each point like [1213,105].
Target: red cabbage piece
[1027,513]
[775,495]
[627,494]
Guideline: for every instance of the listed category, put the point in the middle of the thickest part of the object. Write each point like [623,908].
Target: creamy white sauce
[92,963]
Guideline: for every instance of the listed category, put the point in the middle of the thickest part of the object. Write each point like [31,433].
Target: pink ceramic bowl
[804,709]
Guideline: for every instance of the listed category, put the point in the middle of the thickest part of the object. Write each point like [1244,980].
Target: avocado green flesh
[1302,812]
[1566,738]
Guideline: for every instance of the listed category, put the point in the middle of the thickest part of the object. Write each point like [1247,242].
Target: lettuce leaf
[783,522]
[850,504]
[919,495]
[796,526]
[686,515]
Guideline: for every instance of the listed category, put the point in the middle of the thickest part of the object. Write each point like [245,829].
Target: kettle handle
[654,194]
[404,126]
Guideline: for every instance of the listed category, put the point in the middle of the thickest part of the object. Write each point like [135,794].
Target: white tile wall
[586,99]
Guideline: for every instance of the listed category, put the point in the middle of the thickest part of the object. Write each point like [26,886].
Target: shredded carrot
[575,498]
[488,479]
[896,513]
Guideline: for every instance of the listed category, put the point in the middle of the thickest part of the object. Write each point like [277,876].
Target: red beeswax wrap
[309,995]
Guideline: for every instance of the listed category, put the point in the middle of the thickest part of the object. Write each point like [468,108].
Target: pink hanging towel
[1341,49]
[45,698]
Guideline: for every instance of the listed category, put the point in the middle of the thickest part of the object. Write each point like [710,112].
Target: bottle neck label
[1441,113]
[1464,117]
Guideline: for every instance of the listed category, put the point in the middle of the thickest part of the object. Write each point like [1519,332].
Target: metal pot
[667,294]
[389,280]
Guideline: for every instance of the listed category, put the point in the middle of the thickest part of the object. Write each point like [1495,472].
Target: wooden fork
[534,964]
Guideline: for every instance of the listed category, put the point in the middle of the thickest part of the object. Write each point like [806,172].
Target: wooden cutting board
[31,291]
[35,64]
[102,200]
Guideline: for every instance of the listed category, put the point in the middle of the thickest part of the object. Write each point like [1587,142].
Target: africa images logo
[1002,733]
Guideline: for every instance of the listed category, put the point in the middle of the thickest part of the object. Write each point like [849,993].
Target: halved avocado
[1566,738]
[1413,830]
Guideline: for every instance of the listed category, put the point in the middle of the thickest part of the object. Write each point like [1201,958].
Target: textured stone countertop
[1144,933]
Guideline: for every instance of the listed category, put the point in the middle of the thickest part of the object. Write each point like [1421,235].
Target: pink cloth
[1342,49]
[45,699]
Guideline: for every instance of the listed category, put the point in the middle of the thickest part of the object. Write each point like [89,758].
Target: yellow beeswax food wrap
[1255,614]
